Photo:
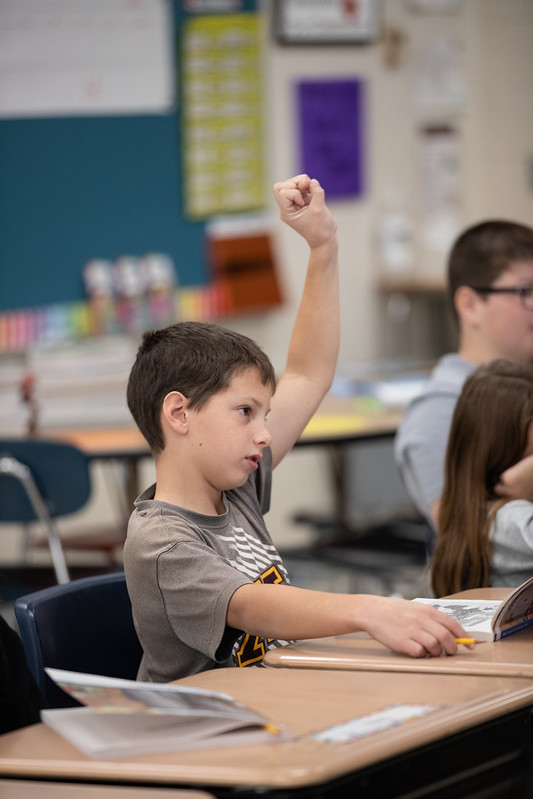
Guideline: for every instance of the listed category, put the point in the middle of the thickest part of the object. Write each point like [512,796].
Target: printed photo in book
[489,620]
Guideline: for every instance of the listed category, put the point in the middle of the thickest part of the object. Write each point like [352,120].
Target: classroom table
[338,422]
[510,657]
[26,789]
[474,734]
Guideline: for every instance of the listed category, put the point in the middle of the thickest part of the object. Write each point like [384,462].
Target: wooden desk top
[26,789]
[491,594]
[305,701]
[105,443]
[511,657]
[341,420]
[413,284]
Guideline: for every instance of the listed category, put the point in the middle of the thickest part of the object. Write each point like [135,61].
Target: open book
[487,620]
[122,718]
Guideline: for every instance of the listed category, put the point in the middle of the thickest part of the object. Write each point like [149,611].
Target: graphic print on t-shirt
[262,563]
[251,556]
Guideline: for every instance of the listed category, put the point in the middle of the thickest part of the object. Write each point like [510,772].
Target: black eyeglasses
[524,292]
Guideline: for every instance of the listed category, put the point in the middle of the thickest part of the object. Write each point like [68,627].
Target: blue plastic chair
[39,481]
[85,625]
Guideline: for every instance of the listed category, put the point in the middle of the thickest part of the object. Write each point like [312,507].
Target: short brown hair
[199,359]
[486,250]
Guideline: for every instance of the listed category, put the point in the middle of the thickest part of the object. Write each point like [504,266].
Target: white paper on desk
[361,726]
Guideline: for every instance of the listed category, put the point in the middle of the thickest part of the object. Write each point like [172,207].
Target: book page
[474,615]
[111,695]
[124,717]
[109,735]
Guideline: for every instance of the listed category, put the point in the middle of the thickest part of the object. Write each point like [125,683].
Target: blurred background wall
[448,115]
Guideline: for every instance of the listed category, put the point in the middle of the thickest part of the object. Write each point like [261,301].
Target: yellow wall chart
[221,115]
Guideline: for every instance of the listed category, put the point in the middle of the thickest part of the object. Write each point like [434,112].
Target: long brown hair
[488,434]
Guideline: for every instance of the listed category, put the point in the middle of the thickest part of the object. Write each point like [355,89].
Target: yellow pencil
[271,728]
[467,641]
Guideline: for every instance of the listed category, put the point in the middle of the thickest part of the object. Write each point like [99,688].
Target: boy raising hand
[207,585]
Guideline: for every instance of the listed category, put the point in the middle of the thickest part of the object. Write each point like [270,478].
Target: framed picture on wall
[326,21]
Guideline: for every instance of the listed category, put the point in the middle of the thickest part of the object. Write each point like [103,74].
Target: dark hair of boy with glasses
[482,255]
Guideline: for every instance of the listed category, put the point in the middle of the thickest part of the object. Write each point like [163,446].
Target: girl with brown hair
[485,524]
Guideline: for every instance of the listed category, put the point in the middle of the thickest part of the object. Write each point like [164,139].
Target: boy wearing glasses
[490,288]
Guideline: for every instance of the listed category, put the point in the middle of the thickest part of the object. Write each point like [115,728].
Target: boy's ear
[467,303]
[175,411]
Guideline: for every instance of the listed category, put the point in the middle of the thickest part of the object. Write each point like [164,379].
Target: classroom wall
[497,168]
[496,148]
[495,125]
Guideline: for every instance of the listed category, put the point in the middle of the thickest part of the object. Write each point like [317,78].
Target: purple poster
[331,134]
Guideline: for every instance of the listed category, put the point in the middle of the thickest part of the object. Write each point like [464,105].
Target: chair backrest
[85,625]
[59,470]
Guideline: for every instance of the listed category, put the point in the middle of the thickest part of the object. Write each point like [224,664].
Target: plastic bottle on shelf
[99,288]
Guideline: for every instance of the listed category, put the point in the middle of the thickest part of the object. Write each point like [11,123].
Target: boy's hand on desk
[303,207]
[410,627]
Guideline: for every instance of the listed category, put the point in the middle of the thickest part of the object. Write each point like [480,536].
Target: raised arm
[314,343]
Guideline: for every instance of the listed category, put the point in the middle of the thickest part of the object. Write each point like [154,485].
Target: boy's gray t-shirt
[182,569]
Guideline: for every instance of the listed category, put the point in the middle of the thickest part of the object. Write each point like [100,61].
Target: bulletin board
[74,188]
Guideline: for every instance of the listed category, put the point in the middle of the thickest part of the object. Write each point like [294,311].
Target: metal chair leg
[21,473]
